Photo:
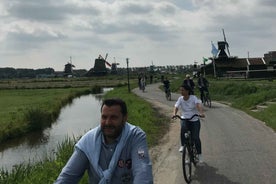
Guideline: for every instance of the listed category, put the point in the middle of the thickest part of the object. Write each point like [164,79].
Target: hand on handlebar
[202,115]
[174,116]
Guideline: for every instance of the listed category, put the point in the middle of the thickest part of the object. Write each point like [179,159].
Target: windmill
[221,47]
[100,65]
[68,69]
[114,67]
[227,45]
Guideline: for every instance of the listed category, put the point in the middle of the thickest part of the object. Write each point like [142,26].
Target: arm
[200,109]
[198,82]
[175,110]
[74,168]
[192,83]
[141,164]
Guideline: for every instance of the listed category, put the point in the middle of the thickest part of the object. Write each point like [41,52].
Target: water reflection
[74,120]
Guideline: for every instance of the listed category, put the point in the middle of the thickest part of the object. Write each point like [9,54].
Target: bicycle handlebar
[187,119]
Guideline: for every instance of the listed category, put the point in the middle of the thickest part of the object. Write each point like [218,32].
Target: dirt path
[236,147]
[165,155]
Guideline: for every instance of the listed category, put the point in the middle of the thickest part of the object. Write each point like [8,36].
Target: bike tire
[194,156]
[187,167]
[169,96]
[208,101]
[204,100]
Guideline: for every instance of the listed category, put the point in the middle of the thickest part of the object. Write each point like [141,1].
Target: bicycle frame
[206,100]
[189,153]
[168,93]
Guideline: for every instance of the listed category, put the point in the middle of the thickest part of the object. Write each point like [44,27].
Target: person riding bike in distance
[189,105]
[166,83]
[188,81]
[203,85]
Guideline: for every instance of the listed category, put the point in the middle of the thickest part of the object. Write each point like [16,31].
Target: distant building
[257,67]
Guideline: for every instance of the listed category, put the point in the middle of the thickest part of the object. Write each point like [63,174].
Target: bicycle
[206,99]
[143,85]
[168,93]
[189,153]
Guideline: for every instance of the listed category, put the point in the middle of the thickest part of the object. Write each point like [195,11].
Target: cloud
[165,31]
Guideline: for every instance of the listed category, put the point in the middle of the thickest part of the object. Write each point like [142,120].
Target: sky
[47,33]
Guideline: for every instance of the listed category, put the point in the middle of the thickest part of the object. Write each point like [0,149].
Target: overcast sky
[45,33]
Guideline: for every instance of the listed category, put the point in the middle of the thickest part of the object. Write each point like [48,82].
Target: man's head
[188,76]
[113,118]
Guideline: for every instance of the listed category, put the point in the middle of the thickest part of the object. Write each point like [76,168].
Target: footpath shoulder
[165,155]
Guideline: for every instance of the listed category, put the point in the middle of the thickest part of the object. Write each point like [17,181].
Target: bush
[37,119]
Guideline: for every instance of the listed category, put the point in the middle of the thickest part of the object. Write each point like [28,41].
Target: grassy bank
[27,110]
[140,113]
[49,83]
[245,95]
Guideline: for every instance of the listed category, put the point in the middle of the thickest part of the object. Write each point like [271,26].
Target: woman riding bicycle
[189,105]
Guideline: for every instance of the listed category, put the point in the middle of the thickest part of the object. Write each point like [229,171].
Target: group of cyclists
[202,82]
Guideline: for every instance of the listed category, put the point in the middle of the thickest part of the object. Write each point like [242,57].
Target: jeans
[194,127]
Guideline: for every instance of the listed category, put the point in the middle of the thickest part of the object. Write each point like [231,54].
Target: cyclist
[166,83]
[188,81]
[143,83]
[203,85]
[113,152]
[189,105]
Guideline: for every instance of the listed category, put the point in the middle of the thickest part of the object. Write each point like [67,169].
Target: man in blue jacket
[115,152]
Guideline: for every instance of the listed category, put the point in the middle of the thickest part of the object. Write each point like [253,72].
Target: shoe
[200,158]
[181,149]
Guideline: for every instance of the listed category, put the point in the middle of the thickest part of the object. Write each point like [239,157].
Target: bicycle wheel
[187,164]
[169,96]
[204,100]
[194,155]
[208,100]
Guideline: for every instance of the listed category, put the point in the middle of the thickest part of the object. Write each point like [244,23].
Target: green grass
[45,171]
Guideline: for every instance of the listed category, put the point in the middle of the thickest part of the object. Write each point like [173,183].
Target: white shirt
[188,107]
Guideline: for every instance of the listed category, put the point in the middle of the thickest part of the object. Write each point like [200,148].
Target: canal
[74,120]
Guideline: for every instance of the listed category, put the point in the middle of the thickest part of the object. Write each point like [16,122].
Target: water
[74,120]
